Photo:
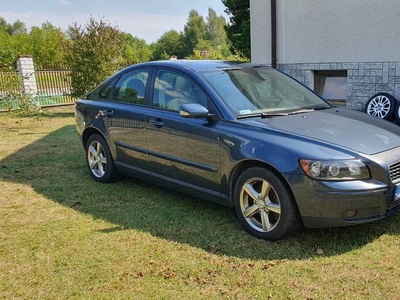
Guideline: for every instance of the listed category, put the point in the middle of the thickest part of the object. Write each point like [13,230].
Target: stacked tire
[383,106]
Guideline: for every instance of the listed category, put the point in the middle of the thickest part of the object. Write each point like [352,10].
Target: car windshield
[262,91]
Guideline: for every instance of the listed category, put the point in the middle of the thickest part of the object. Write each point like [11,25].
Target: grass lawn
[64,236]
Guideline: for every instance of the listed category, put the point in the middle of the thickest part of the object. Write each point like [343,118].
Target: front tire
[264,205]
[99,160]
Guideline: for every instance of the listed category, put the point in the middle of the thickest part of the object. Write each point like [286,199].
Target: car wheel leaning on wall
[381,105]
[397,113]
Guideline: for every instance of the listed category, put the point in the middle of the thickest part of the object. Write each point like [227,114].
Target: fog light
[351,213]
[397,193]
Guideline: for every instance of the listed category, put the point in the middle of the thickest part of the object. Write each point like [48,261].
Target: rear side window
[131,87]
[101,92]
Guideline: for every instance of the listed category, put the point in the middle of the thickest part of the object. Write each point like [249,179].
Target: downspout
[273,34]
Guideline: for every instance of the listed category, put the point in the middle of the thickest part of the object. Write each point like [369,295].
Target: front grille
[394,171]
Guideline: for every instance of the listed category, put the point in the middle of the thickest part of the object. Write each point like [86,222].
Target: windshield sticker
[245,112]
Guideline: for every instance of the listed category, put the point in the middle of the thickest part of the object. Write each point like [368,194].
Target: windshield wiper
[263,115]
[301,111]
[273,114]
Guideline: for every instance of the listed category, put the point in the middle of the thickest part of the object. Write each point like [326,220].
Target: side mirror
[193,110]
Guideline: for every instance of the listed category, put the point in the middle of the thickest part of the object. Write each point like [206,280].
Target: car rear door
[184,151]
[125,120]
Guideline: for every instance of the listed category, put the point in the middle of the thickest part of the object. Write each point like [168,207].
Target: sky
[145,19]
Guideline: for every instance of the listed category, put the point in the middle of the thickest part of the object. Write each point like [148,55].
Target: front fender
[280,150]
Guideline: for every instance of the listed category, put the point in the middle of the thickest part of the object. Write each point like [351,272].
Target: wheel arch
[88,132]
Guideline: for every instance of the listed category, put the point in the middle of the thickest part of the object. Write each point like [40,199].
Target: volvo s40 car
[245,136]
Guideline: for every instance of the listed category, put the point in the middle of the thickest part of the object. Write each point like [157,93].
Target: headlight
[335,169]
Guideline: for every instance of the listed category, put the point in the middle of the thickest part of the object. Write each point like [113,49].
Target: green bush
[94,54]
[26,104]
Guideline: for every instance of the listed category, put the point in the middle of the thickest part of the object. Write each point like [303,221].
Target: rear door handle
[106,113]
[157,122]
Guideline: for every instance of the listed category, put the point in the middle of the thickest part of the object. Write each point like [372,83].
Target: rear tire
[264,204]
[99,160]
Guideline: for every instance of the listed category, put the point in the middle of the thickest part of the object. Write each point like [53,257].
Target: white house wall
[359,36]
[260,24]
[315,31]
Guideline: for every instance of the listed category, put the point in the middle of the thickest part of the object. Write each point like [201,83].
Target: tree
[136,50]
[217,55]
[4,25]
[44,43]
[170,43]
[216,33]
[94,53]
[194,31]
[18,27]
[238,31]
[8,51]
[47,45]
[14,42]
[199,39]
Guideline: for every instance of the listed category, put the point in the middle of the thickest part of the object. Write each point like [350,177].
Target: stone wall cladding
[364,79]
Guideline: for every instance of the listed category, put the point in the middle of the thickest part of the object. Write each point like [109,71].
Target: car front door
[184,151]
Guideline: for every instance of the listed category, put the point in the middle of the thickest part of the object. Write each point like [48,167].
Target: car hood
[343,127]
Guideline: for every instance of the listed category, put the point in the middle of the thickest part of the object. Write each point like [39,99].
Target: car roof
[199,65]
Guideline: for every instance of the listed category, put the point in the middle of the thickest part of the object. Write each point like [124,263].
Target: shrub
[93,54]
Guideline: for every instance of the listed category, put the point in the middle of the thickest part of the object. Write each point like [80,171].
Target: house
[347,51]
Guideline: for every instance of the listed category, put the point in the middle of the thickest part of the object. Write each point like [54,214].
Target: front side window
[131,87]
[261,90]
[172,89]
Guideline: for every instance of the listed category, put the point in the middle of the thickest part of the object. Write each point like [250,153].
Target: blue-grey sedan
[245,136]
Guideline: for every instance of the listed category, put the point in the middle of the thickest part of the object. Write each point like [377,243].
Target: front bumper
[334,204]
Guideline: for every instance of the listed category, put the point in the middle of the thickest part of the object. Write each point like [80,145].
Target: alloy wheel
[97,159]
[260,205]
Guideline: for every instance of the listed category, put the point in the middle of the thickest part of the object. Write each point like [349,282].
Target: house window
[332,86]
